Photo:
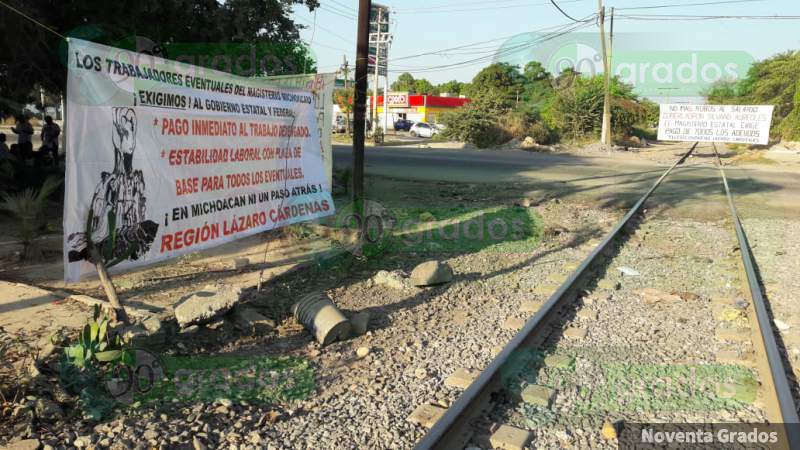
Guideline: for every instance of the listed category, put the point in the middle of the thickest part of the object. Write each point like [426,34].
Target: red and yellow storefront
[419,108]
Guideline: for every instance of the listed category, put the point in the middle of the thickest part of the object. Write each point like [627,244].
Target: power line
[563,12]
[686,5]
[503,52]
[440,9]
[698,17]
[333,33]
[343,6]
[447,51]
[338,12]
[326,46]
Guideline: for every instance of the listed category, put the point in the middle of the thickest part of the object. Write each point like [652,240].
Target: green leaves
[94,343]
[108,356]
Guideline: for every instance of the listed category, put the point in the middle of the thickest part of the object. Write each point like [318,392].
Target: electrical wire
[332,33]
[507,51]
[435,10]
[449,51]
[332,10]
[343,6]
[687,5]
[697,17]
[452,7]
[563,12]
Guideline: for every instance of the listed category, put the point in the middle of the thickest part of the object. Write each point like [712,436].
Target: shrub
[540,134]
[29,207]
[790,126]
[577,108]
[477,122]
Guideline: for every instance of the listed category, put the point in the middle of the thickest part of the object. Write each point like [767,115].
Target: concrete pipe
[322,318]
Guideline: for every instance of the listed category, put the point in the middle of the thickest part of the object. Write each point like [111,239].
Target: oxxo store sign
[397,100]
[419,108]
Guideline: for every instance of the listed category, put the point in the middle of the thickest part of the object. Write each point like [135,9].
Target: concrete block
[537,395]
[530,306]
[733,334]
[575,333]
[426,415]
[513,323]
[545,290]
[510,438]
[206,305]
[557,361]
[240,263]
[461,378]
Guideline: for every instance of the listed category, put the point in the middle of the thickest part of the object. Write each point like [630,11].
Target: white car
[423,129]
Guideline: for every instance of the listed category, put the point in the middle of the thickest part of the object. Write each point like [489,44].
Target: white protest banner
[322,85]
[735,124]
[165,158]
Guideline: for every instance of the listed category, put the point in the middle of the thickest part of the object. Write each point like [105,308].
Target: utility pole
[360,104]
[605,132]
[377,71]
[346,71]
[611,42]
[386,97]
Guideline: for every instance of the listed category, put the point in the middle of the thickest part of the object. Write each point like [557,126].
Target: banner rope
[36,22]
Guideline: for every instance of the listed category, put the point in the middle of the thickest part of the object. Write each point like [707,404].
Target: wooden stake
[111,291]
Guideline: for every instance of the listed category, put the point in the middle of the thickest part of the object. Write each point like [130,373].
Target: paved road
[613,180]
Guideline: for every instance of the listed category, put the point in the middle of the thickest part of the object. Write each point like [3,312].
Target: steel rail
[777,370]
[451,431]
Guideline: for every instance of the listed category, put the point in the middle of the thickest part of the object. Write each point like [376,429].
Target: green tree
[538,85]
[500,79]
[722,92]
[423,86]
[404,82]
[576,109]
[344,99]
[451,87]
[773,81]
[35,55]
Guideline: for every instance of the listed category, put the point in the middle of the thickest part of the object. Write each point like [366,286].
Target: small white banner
[735,124]
[165,158]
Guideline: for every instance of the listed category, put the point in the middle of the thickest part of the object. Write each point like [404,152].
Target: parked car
[423,129]
[403,125]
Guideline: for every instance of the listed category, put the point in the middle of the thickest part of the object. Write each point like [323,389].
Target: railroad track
[539,380]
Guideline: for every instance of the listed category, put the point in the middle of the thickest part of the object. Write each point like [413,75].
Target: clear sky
[424,26]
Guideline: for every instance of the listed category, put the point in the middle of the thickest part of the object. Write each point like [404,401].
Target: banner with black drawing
[165,158]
